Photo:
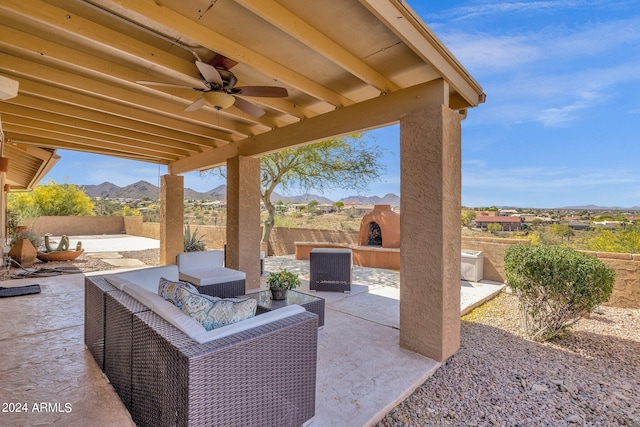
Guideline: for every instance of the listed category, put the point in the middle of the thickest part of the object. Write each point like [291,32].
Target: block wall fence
[626,292]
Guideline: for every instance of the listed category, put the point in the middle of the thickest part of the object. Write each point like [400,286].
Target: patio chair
[330,269]
[205,269]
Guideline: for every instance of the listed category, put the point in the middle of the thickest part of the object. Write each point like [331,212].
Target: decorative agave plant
[192,242]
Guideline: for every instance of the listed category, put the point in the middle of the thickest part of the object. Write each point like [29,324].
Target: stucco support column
[243,218]
[171,218]
[430,234]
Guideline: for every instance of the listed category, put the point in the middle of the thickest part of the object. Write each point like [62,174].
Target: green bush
[556,286]
[192,242]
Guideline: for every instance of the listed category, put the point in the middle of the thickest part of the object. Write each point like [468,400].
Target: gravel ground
[85,263]
[590,377]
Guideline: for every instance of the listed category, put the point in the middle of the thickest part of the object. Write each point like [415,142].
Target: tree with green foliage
[562,231]
[50,199]
[556,286]
[625,241]
[128,211]
[494,227]
[347,162]
[467,218]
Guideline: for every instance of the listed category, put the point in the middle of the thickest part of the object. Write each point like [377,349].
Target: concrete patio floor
[362,372]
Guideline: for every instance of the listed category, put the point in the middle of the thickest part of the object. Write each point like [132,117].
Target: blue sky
[561,125]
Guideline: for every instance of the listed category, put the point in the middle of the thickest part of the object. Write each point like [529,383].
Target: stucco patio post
[243,218]
[430,236]
[171,218]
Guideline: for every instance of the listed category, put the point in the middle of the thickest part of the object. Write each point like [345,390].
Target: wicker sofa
[169,373]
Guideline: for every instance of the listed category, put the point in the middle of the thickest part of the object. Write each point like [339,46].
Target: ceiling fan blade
[248,107]
[148,83]
[263,91]
[209,73]
[221,61]
[196,105]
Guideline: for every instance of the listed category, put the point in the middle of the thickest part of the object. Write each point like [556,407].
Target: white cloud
[545,179]
[488,54]
[484,9]
[549,186]
[474,163]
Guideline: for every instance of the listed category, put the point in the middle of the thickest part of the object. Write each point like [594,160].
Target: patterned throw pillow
[168,290]
[213,312]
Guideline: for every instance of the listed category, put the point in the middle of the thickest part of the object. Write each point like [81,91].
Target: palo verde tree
[562,230]
[349,162]
[50,199]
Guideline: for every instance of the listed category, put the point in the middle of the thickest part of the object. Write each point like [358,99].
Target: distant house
[608,225]
[579,225]
[297,207]
[326,207]
[356,209]
[508,223]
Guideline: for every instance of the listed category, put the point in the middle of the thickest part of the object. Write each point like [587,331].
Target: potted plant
[280,282]
[24,247]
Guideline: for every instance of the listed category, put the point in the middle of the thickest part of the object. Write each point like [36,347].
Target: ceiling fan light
[218,100]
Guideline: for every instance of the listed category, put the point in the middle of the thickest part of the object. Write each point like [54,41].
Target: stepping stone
[125,262]
[104,255]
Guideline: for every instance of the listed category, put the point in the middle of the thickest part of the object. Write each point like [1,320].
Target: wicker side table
[330,269]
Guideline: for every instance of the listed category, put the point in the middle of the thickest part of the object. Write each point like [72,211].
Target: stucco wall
[79,225]
[626,292]
[493,250]
[283,240]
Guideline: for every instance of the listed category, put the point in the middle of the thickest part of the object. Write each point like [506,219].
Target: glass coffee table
[309,302]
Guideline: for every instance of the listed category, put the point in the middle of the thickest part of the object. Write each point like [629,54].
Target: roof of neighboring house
[498,219]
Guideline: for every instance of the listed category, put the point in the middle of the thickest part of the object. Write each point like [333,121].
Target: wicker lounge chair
[205,270]
[330,269]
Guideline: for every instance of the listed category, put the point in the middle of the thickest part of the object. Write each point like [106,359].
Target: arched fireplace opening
[380,228]
[374,237]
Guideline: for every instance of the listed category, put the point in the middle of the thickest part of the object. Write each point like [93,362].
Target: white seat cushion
[188,261]
[147,278]
[166,310]
[208,276]
[247,324]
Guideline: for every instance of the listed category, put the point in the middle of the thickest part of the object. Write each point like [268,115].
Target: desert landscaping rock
[588,378]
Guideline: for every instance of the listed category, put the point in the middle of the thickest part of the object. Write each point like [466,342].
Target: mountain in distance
[302,198]
[146,190]
[218,193]
[138,190]
[101,190]
[600,208]
[387,199]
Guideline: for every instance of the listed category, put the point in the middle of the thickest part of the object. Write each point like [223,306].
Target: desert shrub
[556,286]
[192,242]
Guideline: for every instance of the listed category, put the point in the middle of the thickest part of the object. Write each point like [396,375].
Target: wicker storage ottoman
[330,269]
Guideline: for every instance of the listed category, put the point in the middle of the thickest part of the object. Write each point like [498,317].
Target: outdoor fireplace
[380,227]
[378,241]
